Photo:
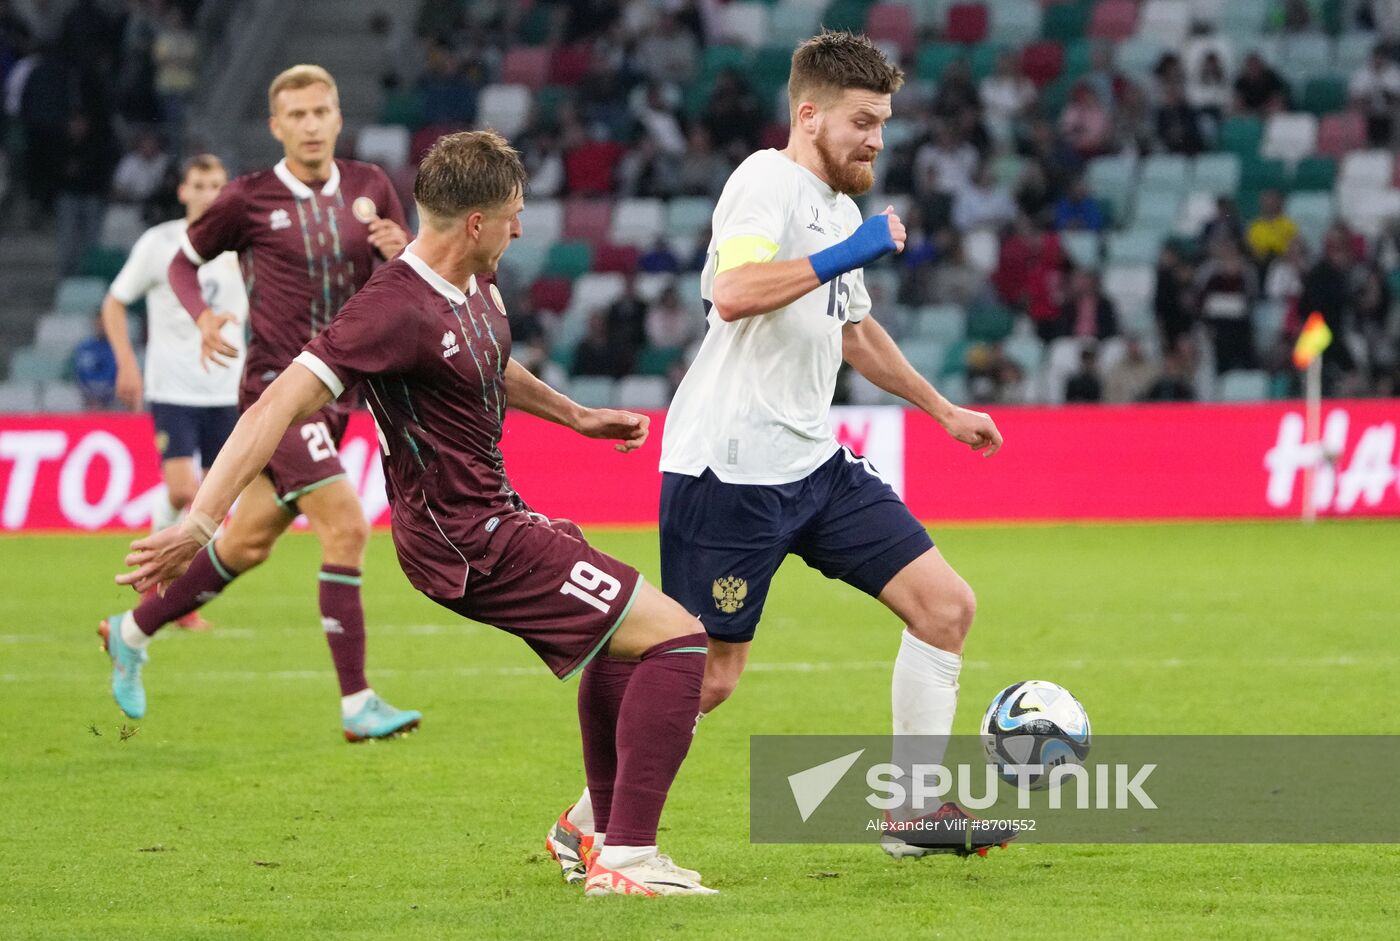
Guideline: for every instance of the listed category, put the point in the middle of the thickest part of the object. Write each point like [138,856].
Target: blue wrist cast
[863,246]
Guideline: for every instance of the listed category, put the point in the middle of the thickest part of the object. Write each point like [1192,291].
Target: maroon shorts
[554,591]
[308,456]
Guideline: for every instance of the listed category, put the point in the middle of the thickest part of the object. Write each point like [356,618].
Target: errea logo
[449,345]
[279,219]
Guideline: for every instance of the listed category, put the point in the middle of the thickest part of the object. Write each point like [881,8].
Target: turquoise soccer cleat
[126,667]
[378,719]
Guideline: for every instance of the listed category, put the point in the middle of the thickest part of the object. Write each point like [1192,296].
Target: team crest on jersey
[449,345]
[280,219]
[730,593]
[364,209]
[496,296]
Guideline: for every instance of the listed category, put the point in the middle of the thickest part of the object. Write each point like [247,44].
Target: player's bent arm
[533,396]
[114,325]
[183,275]
[294,395]
[762,287]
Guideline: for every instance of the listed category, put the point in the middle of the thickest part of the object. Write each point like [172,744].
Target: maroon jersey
[431,362]
[304,251]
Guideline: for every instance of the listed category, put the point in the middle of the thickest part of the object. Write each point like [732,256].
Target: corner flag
[1315,337]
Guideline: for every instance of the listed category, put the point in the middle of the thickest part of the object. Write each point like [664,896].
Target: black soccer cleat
[949,829]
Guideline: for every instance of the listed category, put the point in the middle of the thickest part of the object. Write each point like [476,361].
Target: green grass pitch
[235,810]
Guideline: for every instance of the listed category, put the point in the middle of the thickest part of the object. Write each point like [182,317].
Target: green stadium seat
[1082,248]
[1306,54]
[1164,172]
[102,262]
[80,295]
[1313,213]
[1353,49]
[1025,351]
[1134,247]
[793,21]
[657,361]
[1112,177]
[935,58]
[1066,21]
[1324,94]
[1139,56]
[1079,56]
[1156,210]
[989,322]
[1007,168]
[1015,23]
[403,107]
[982,58]
[568,259]
[35,364]
[1243,385]
[954,359]
[945,323]
[847,14]
[688,215]
[927,356]
[1315,173]
[593,391]
[1243,19]
[1263,174]
[1241,136]
[1055,96]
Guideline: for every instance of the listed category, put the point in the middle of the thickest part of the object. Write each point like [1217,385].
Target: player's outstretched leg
[339,522]
[631,762]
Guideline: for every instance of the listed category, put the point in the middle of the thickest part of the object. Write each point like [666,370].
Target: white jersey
[753,408]
[174,375]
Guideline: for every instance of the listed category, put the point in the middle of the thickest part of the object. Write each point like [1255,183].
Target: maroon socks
[343,619]
[201,584]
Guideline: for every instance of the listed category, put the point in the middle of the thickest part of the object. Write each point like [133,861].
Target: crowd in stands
[1107,200]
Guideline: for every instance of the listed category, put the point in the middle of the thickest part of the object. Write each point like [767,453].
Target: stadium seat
[1168,22]
[1324,94]
[568,259]
[1065,21]
[505,108]
[62,332]
[79,296]
[1113,20]
[1338,134]
[1082,248]
[122,225]
[989,323]
[1307,54]
[1014,23]
[593,391]
[982,248]
[1368,210]
[1366,168]
[1134,247]
[1157,210]
[1241,135]
[1137,57]
[926,356]
[654,361]
[1164,172]
[944,323]
[688,215]
[588,169]
[1352,51]
[1137,319]
[1218,174]
[587,219]
[1243,385]
[19,396]
[570,64]
[1206,12]
[37,364]
[650,284]
[621,259]
[1130,286]
[953,387]
[527,65]
[61,397]
[935,58]
[1243,18]
[1263,173]
[638,222]
[551,293]
[643,392]
[1043,62]
[1313,213]
[741,23]
[102,262]
[1289,137]
[792,21]
[384,144]
[1316,173]
[542,220]
[598,289]
[1111,177]
[1198,209]
[967,23]
[1026,351]
[892,22]
[1268,318]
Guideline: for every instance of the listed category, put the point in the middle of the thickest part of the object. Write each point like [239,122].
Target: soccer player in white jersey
[193,408]
[752,471]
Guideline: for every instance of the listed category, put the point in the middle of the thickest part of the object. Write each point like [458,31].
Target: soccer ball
[1034,723]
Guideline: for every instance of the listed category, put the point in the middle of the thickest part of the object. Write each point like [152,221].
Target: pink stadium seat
[1043,61]
[892,22]
[527,65]
[967,23]
[569,65]
[587,219]
[425,137]
[620,258]
[1113,19]
[589,169]
[552,294]
[1341,132]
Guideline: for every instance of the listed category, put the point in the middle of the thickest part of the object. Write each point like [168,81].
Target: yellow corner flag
[1315,337]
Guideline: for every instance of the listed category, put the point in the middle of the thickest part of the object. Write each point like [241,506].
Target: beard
[846,175]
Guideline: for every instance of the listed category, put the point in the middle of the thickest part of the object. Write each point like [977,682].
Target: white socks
[615,857]
[581,814]
[923,699]
[349,705]
[132,635]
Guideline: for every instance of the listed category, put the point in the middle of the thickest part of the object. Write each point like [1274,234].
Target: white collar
[436,281]
[300,189]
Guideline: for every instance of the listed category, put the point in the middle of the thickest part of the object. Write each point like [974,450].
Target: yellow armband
[743,249]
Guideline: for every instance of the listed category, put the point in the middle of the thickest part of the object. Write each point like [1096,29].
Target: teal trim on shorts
[224,573]
[688,650]
[341,579]
[296,495]
[603,641]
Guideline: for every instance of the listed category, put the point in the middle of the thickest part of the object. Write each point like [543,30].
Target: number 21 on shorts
[318,440]
[591,585]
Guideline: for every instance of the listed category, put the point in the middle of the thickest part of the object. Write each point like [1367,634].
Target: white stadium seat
[384,144]
[504,108]
[637,222]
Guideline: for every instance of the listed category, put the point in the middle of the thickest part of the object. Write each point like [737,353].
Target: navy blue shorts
[721,543]
[187,430]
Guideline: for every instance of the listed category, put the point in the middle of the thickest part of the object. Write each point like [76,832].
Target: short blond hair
[297,77]
[466,171]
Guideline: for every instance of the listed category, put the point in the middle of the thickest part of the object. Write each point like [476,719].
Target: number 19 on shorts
[591,585]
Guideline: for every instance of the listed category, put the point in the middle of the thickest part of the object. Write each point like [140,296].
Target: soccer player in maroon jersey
[308,234]
[428,339]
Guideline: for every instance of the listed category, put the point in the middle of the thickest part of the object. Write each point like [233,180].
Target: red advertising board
[99,471]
